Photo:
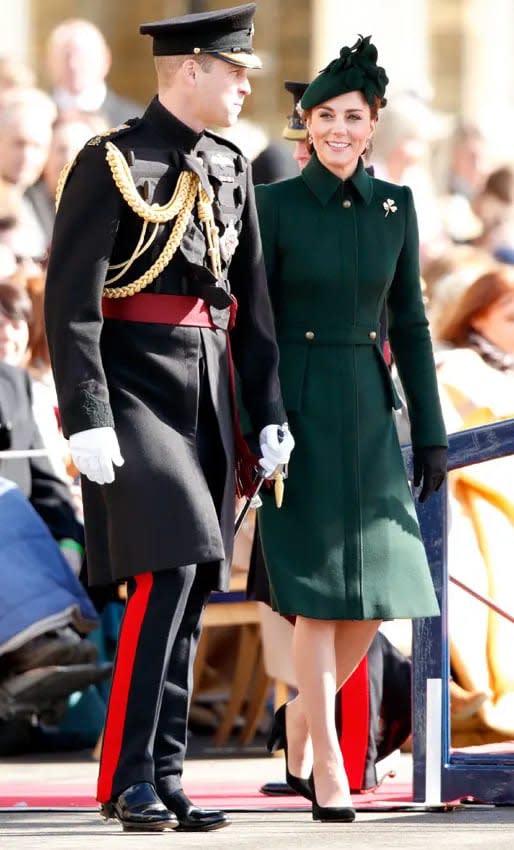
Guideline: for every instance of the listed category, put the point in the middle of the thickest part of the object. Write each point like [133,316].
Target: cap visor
[294,135]
[244,60]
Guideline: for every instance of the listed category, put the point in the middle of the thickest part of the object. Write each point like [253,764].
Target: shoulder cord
[180,206]
[206,216]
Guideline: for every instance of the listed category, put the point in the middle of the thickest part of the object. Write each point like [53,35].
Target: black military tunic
[148,380]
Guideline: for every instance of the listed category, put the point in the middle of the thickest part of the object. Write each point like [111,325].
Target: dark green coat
[346,543]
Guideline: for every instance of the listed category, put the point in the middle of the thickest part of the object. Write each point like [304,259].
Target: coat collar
[323,183]
[177,134]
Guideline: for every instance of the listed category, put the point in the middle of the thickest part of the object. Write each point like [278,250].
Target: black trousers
[146,725]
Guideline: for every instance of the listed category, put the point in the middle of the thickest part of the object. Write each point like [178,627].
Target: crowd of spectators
[54,646]
[465,206]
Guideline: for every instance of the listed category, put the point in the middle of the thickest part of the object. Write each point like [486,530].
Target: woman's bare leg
[326,653]
[352,641]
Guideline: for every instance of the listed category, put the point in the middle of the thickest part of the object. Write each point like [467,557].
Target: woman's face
[496,323]
[14,339]
[340,128]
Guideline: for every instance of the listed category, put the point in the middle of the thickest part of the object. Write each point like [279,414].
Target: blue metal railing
[439,774]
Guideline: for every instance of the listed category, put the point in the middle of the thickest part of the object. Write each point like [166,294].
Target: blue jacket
[38,591]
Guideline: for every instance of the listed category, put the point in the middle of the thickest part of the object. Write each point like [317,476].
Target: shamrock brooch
[389,206]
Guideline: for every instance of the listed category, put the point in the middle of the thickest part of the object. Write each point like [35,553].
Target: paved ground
[466,829]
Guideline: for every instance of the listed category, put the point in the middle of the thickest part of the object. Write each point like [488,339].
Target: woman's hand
[430,464]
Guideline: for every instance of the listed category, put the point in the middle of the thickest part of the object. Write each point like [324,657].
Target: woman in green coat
[345,551]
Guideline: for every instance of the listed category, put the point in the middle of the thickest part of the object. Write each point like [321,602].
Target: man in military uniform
[154,221]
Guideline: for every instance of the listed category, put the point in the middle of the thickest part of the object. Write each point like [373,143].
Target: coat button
[347,204]
[309,335]
[372,335]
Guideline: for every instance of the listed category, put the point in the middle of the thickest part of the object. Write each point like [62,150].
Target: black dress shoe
[331,814]
[278,741]
[139,809]
[190,817]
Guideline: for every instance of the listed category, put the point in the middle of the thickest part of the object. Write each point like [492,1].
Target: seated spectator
[26,118]
[43,608]
[70,132]
[23,343]
[447,276]
[467,169]
[15,74]
[476,375]
[78,62]
[494,206]
[401,150]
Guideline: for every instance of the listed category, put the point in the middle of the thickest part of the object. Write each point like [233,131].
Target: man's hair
[168,66]
[29,100]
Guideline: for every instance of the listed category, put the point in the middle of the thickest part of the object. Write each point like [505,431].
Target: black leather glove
[430,464]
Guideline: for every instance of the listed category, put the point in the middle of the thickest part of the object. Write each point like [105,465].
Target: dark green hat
[295,129]
[355,69]
[226,33]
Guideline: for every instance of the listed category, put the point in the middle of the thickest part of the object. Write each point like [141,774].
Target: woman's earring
[309,138]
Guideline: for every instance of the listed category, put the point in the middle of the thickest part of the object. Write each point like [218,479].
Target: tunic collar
[323,183]
[175,132]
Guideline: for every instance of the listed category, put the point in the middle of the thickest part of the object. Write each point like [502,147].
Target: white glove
[94,452]
[277,443]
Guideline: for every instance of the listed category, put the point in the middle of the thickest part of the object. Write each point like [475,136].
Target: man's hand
[94,452]
[277,443]
[430,464]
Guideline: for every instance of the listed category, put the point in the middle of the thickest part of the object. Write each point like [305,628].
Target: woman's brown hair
[490,287]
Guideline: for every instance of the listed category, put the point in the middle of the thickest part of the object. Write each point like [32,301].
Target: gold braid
[149,212]
[206,216]
[168,251]
[180,207]
[61,182]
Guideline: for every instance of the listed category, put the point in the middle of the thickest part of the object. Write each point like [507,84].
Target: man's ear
[189,71]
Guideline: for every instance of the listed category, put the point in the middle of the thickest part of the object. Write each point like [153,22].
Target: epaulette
[223,141]
[113,133]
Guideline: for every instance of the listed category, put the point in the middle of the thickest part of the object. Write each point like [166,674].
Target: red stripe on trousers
[354,736]
[117,709]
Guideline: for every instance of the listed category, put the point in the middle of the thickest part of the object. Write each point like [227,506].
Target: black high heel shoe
[278,741]
[330,814]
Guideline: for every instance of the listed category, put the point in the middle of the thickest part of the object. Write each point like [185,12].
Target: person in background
[23,344]
[476,377]
[342,557]
[70,132]
[15,74]
[494,206]
[26,118]
[144,385]
[78,62]
[401,150]
[468,168]
[295,129]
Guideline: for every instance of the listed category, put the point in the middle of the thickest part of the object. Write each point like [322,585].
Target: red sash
[193,312]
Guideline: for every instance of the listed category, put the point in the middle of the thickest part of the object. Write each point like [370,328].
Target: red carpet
[231,797]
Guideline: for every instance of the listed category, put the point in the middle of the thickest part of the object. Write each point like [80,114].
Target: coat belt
[164,310]
[355,335]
